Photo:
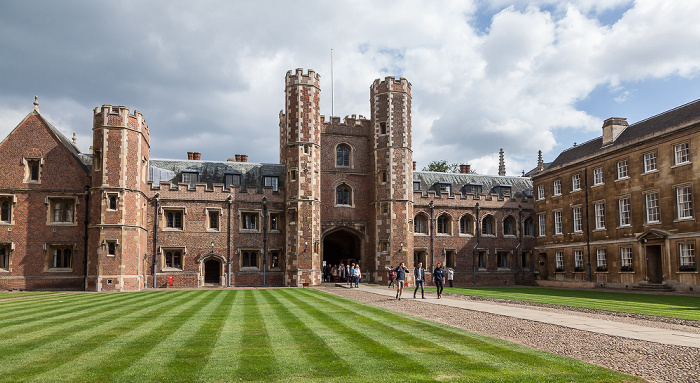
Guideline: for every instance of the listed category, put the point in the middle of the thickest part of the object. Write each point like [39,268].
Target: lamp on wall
[212,247]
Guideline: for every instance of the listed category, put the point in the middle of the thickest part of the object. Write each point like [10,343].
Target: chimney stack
[465,169]
[190,155]
[414,165]
[244,158]
[612,127]
[196,156]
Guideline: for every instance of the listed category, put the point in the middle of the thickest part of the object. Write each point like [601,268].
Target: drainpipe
[85,238]
[264,257]
[520,242]
[588,231]
[478,237]
[155,239]
[431,205]
[228,242]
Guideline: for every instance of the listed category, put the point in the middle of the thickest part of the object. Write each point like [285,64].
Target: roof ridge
[666,112]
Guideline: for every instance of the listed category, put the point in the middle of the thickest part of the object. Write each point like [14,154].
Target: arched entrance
[342,246]
[212,271]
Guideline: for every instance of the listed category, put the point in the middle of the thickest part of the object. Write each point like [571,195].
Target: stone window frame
[232,179]
[383,177]
[416,186]
[494,229]
[650,163]
[450,255]
[189,177]
[558,223]
[469,226]
[52,201]
[172,226]
[7,209]
[28,163]
[271,265]
[112,197]
[624,211]
[541,224]
[681,153]
[647,210]
[501,262]
[50,259]
[274,216]
[680,206]
[248,225]
[350,194]
[383,246]
[244,254]
[598,176]
[170,251]
[340,159]
[559,262]
[601,261]
[421,217]
[271,181]
[622,168]
[110,246]
[443,224]
[529,227]
[293,215]
[577,218]
[626,257]
[209,212]
[383,128]
[515,226]
[6,250]
[293,175]
[556,187]
[482,262]
[540,192]
[599,215]
[686,254]
[576,182]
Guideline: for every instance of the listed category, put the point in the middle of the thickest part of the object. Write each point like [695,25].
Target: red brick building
[344,191]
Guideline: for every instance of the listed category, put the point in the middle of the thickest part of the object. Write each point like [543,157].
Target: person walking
[438,279]
[358,275]
[450,275]
[351,273]
[419,274]
[400,272]
[391,278]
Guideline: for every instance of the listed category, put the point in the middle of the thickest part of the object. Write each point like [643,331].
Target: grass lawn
[673,306]
[18,294]
[254,335]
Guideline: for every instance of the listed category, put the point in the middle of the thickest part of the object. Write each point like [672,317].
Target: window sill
[624,227]
[575,191]
[622,179]
[625,272]
[597,185]
[600,229]
[249,231]
[681,164]
[60,270]
[61,224]
[250,269]
[5,223]
[171,269]
[420,234]
[444,234]
[651,172]
[213,231]
[172,229]
[684,219]
[687,272]
[509,236]
[466,234]
[488,235]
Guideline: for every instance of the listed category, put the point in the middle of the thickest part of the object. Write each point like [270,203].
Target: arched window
[444,224]
[488,225]
[529,226]
[509,226]
[420,224]
[343,195]
[342,155]
[465,224]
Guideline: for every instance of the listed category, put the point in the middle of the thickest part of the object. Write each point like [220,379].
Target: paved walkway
[602,326]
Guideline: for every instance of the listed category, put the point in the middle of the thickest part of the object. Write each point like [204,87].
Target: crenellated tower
[300,138]
[117,228]
[393,165]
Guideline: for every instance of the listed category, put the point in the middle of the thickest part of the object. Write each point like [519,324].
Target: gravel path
[651,361]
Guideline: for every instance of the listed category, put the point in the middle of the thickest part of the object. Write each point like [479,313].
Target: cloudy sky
[209,75]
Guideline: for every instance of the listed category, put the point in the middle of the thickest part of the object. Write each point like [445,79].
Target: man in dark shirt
[438,279]
[419,274]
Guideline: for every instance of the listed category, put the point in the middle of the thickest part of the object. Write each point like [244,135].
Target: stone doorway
[654,265]
[343,246]
[212,272]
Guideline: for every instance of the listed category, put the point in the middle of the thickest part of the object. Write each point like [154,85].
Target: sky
[208,76]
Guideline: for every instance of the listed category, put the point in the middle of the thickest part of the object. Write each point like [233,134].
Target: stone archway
[343,245]
[212,271]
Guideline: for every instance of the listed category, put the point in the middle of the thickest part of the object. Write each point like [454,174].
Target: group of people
[343,273]
[397,276]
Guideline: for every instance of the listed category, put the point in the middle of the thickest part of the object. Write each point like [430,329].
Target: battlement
[299,78]
[390,84]
[118,116]
[350,125]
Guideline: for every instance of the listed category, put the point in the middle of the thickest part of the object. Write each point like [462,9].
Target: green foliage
[443,167]
[275,335]
[672,306]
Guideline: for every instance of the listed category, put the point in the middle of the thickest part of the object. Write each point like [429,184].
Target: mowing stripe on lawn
[178,327]
[396,363]
[130,346]
[307,343]
[95,332]
[222,365]
[257,358]
[41,334]
[508,358]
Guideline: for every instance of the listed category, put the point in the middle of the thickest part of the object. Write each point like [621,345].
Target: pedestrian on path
[400,272]
[351,274]
[358,275]
[450,275]
[438,279]
[391,278]
[419,274]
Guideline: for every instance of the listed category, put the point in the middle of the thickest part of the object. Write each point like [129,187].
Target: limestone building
[620,210]
[343,191]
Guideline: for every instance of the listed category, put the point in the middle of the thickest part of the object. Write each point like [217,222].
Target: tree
[443,167]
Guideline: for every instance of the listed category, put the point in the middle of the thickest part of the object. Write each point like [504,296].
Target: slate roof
[677,118]
[489,184]
[211,172]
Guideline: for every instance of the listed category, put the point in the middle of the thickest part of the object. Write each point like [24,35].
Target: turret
[300,137]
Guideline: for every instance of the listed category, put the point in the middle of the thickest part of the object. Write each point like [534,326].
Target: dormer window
[443,187]
[416,185]
[232,179]
[473,188]
[190,177]
[503,191]
[271,182]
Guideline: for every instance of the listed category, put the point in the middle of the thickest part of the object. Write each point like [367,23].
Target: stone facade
[619,210]
[343,191]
